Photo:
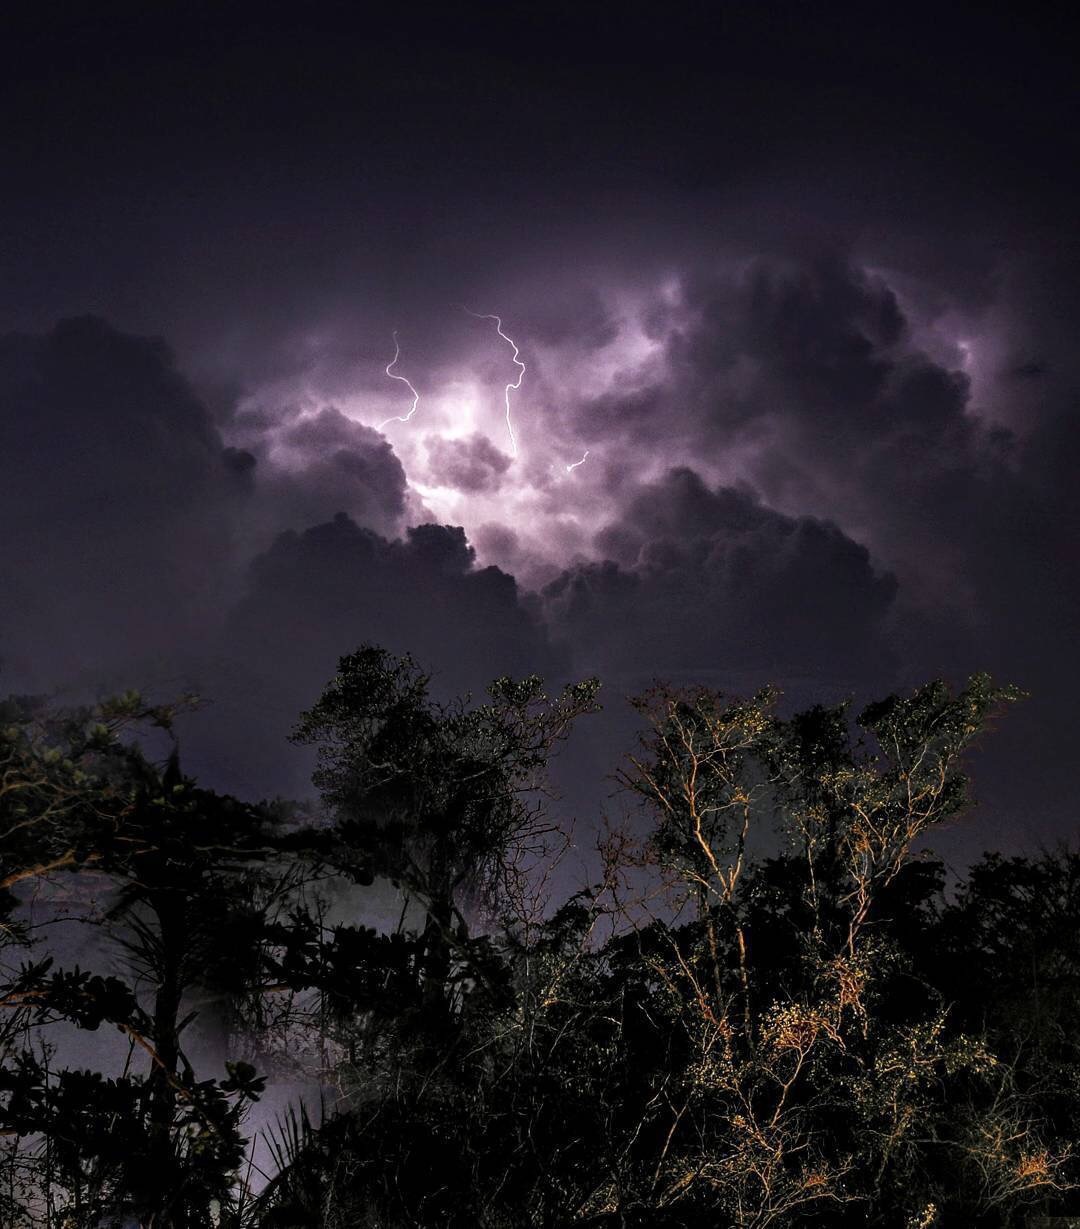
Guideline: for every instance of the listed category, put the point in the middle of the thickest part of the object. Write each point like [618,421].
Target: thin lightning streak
[510,387]
[408,385]
[570,468]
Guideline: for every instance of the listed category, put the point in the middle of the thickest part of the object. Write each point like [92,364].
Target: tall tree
[816,1074]
[442,800]
[177,866]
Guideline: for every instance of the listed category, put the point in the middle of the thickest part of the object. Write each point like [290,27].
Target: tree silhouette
[176,866]
[765,1011]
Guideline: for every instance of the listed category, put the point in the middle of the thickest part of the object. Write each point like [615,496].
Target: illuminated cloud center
[655,385]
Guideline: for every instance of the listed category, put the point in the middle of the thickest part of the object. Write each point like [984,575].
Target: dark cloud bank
[882,528]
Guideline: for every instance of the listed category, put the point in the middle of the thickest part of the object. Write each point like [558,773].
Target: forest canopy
[766,1006]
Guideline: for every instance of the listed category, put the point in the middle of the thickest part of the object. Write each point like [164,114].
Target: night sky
[796,283]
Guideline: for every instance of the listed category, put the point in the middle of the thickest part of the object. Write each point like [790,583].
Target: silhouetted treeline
[764,1009]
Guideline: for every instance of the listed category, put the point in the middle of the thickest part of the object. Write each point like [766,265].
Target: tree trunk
[162,1080]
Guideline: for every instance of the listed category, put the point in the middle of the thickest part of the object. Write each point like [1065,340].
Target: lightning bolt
[570,468]
[510,387]
[408,385]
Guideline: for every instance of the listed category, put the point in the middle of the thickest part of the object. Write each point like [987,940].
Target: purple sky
[800,280]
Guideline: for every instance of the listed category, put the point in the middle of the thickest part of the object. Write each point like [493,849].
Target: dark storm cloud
[821,389]
[811,376]
[117,498]
[317,594]
[803,381]
[320,464]
[316,591]
[472,464]
[577,316]
[712,580]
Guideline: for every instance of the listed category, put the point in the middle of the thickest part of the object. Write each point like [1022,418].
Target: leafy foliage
[766,1011]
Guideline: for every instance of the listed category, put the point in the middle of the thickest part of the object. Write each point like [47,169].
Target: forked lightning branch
[511,387]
